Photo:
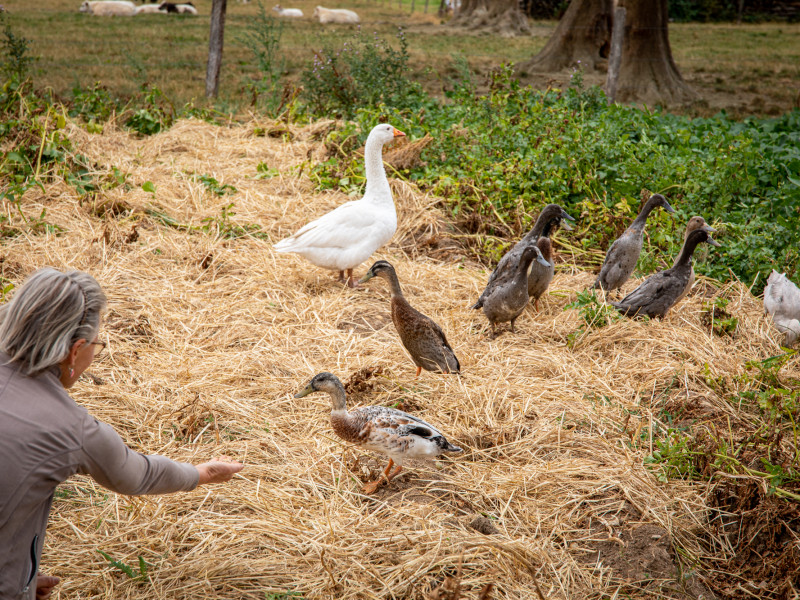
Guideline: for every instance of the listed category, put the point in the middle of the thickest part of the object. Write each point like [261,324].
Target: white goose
[348,235]
[782,301]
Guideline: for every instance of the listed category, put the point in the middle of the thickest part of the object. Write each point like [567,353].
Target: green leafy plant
[595,314]
[717,319]
[264,171]
[214,186]
[223,226]
[136,575]
[155,113]
[94,106]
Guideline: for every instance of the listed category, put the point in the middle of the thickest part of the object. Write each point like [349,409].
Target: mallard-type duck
[507,300]
[782,301]
[658,293]
[392,432]
[623,254]
[348,235]
[694,224]
[421,336]
[551,216]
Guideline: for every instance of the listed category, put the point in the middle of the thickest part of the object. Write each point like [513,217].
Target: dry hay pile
[210,337]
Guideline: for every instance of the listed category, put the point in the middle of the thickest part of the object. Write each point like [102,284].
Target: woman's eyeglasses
[97,348]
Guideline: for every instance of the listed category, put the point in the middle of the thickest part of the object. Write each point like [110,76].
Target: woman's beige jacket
[44,438]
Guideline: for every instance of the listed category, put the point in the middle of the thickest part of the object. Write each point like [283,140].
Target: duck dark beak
[398,133]
[564,218]
[713,242]
[369,275]
[304,392]
[668,208]
[541,260]
[708,229]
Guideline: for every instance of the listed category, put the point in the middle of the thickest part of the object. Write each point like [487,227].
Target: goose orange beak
[398,133]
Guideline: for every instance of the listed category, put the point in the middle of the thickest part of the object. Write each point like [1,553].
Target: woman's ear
[73,351]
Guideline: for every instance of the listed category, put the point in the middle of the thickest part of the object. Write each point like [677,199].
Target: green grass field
[745,69]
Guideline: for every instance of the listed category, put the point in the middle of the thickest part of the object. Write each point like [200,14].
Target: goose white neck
[377,184]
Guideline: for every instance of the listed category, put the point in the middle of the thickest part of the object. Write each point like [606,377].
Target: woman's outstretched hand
[218,470]
[45,585]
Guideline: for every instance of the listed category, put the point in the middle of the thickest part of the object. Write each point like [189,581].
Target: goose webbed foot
[351,281]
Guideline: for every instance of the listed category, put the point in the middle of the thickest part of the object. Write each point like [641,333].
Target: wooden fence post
[615,57]
[215,47]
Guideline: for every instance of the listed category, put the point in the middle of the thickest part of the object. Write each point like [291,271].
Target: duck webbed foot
[372,486]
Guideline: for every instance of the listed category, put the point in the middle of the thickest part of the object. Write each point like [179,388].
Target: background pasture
[745,69]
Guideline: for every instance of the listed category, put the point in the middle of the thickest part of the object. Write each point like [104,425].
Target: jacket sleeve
[115,466]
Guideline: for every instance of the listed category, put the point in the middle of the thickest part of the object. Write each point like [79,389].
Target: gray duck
[660,292]
[421,335]
[507,300]
[623,254]
[694,224]
[540,276]
[551,216]
[389,431]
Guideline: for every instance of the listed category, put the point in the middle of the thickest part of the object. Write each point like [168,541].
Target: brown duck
[421,335]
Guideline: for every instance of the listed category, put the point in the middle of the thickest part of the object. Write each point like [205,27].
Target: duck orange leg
[419,370]
[369,488]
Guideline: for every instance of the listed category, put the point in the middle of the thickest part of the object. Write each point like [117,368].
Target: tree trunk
[647,73]
[498,16]
[215,42]
[582,37]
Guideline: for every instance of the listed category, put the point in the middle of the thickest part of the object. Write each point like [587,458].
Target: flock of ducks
[346,237]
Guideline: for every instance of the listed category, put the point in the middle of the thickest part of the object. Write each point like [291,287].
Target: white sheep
[288,12]
[149,9]
[109,8]
[335,15]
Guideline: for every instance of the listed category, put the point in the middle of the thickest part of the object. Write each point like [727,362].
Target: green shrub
[16,59]
[365,72]
[155,113]
[263,37]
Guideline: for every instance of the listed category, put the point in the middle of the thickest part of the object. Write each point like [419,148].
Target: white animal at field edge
[108,8]
[335,15]
[288,12]
[150,9]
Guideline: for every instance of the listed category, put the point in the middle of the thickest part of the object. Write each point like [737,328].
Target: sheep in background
[185,8]
[335,15]
[149,9]
[108,8]
[287,12]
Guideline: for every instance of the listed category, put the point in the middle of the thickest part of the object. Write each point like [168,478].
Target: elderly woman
[48,337]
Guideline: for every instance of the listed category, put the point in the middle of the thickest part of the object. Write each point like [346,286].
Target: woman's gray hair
[47,315]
